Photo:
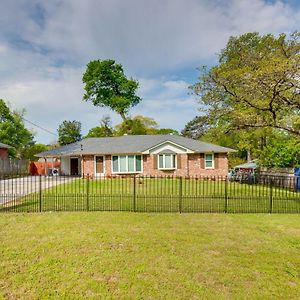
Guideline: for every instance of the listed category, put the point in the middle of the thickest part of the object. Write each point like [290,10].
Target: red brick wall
[190,165]
[87,167]
[150,167]
[107,166]
[3,153]
[197,168]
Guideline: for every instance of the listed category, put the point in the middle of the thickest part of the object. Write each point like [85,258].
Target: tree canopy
[29,153]
[105,129]
[197,127]
[106,85]
[69,132]
[13,131]
[255,84]
[137,125]
[141,125]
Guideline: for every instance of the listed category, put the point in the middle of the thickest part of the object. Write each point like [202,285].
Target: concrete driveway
[11,189]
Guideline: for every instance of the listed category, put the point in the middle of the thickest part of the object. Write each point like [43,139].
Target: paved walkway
[17,187]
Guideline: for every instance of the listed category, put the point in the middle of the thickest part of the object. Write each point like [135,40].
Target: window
[209,161]
[127,163]
[167,161]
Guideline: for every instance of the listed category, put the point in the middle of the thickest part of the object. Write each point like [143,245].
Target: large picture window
[127,163]
[167,161]
[209,161]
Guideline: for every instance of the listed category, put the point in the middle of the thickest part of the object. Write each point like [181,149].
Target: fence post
[226,194]
[180,194]
[134,193]
[87,192]
[271,196]
[40,193]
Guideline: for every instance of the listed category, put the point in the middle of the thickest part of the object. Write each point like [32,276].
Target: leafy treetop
[255,84]
[107,86]
[69,132]
[13,131]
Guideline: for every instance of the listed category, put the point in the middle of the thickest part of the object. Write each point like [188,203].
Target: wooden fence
[11,166]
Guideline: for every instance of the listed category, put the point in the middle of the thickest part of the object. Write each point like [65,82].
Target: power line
[40,127]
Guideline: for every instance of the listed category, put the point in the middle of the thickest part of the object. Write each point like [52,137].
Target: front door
[74,166]
[99,165]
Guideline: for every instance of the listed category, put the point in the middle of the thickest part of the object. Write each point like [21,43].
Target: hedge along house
[155,155]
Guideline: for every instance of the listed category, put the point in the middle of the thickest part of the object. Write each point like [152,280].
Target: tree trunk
[248,156]
[123,116]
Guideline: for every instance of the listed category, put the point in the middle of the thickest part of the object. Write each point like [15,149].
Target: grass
[149,256]
[158,195]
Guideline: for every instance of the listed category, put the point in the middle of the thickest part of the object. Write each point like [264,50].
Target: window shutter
[216,161]
[154,161]
[202,163]
[178,161]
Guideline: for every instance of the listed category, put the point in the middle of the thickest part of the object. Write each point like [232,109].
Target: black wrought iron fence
[267,194]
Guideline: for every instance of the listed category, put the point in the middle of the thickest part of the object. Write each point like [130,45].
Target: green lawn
[149,256]
[159,195]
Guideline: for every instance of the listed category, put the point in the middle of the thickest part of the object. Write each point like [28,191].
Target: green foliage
[69,132]
[29,153]
[167,131]
[13,131]
[281,152]
[251,97]
[255,84]
[105,129]
[234,160]
[141,125]
[107,86]
[137,125]
[197,127]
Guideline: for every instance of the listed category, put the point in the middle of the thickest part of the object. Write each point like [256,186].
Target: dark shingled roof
[130,144]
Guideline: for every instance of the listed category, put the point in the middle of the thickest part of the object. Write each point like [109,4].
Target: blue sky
[45,46]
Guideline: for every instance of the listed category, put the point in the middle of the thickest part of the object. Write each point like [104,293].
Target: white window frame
[212,160]
[126,172]
[164,161]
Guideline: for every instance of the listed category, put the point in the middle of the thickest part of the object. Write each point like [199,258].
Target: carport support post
[40,193]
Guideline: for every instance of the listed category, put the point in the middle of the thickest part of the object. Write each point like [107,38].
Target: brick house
[141,154]
[4,151]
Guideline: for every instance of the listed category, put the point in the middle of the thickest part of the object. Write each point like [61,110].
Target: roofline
[147,151]
[119,153]
[5,146]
